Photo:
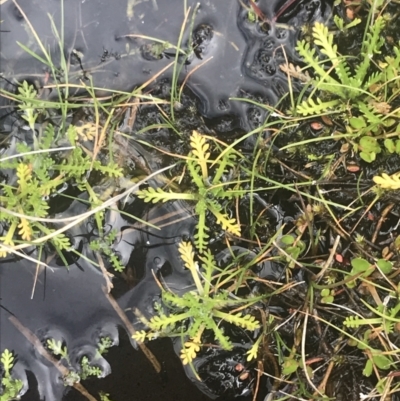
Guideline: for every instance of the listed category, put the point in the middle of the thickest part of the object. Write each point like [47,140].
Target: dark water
[241,58]
[68,304]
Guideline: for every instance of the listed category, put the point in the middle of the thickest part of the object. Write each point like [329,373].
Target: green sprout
[10,388]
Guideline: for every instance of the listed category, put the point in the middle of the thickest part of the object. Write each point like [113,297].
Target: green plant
[210,188]
[375,357]
[105,246]
[360,265]
[29,106]
[36,174]
[86,368]
[104,344]
[10,388]
[293,248]
[385,321]
[358,94]
[104,396]
[327,296]
[203,309]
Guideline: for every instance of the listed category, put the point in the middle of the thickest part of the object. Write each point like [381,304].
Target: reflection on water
[69,305]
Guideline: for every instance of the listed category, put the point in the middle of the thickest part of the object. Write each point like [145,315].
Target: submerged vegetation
[295,254]
[10,388]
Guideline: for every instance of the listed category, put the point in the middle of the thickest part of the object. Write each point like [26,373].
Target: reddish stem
[283,9]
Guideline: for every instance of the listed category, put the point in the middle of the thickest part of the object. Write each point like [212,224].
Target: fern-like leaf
[24,174]
[140,336]
[195,173]
[8,239]
[230,225]
[209,266]
[247,322]
[311,59]
[191,348]
[355,321]
[25,229]
[187,255]
[28,93]
[224,341]
[47,137]
[201,235]
[224,163]
[61,242]
[253,351]
[372,80]
[155,195]
[111,169]
[310,107]
[7,360]
[386,181]
[370,46]
[160,323]
[369,112]
[200,150]
[324,39]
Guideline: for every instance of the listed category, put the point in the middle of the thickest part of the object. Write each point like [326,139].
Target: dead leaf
[327,120]
[316,125]
[353,168]
[380,107]
[345,148]
[295,71]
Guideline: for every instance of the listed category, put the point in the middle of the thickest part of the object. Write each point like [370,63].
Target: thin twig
[35,152]
[149,355]
[106,274]
[328,372]
[329,260]
[381,220]
[303,352]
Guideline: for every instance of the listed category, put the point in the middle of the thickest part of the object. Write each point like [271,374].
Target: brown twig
[106,274]
[385,212]
[149,355]
[260,372]
[190,73]
[329,260]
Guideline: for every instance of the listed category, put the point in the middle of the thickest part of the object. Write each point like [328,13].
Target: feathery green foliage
[10,387]
[196,311]
[87,369]
[105,246]
[36,173]
[357,93]
[210,188]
